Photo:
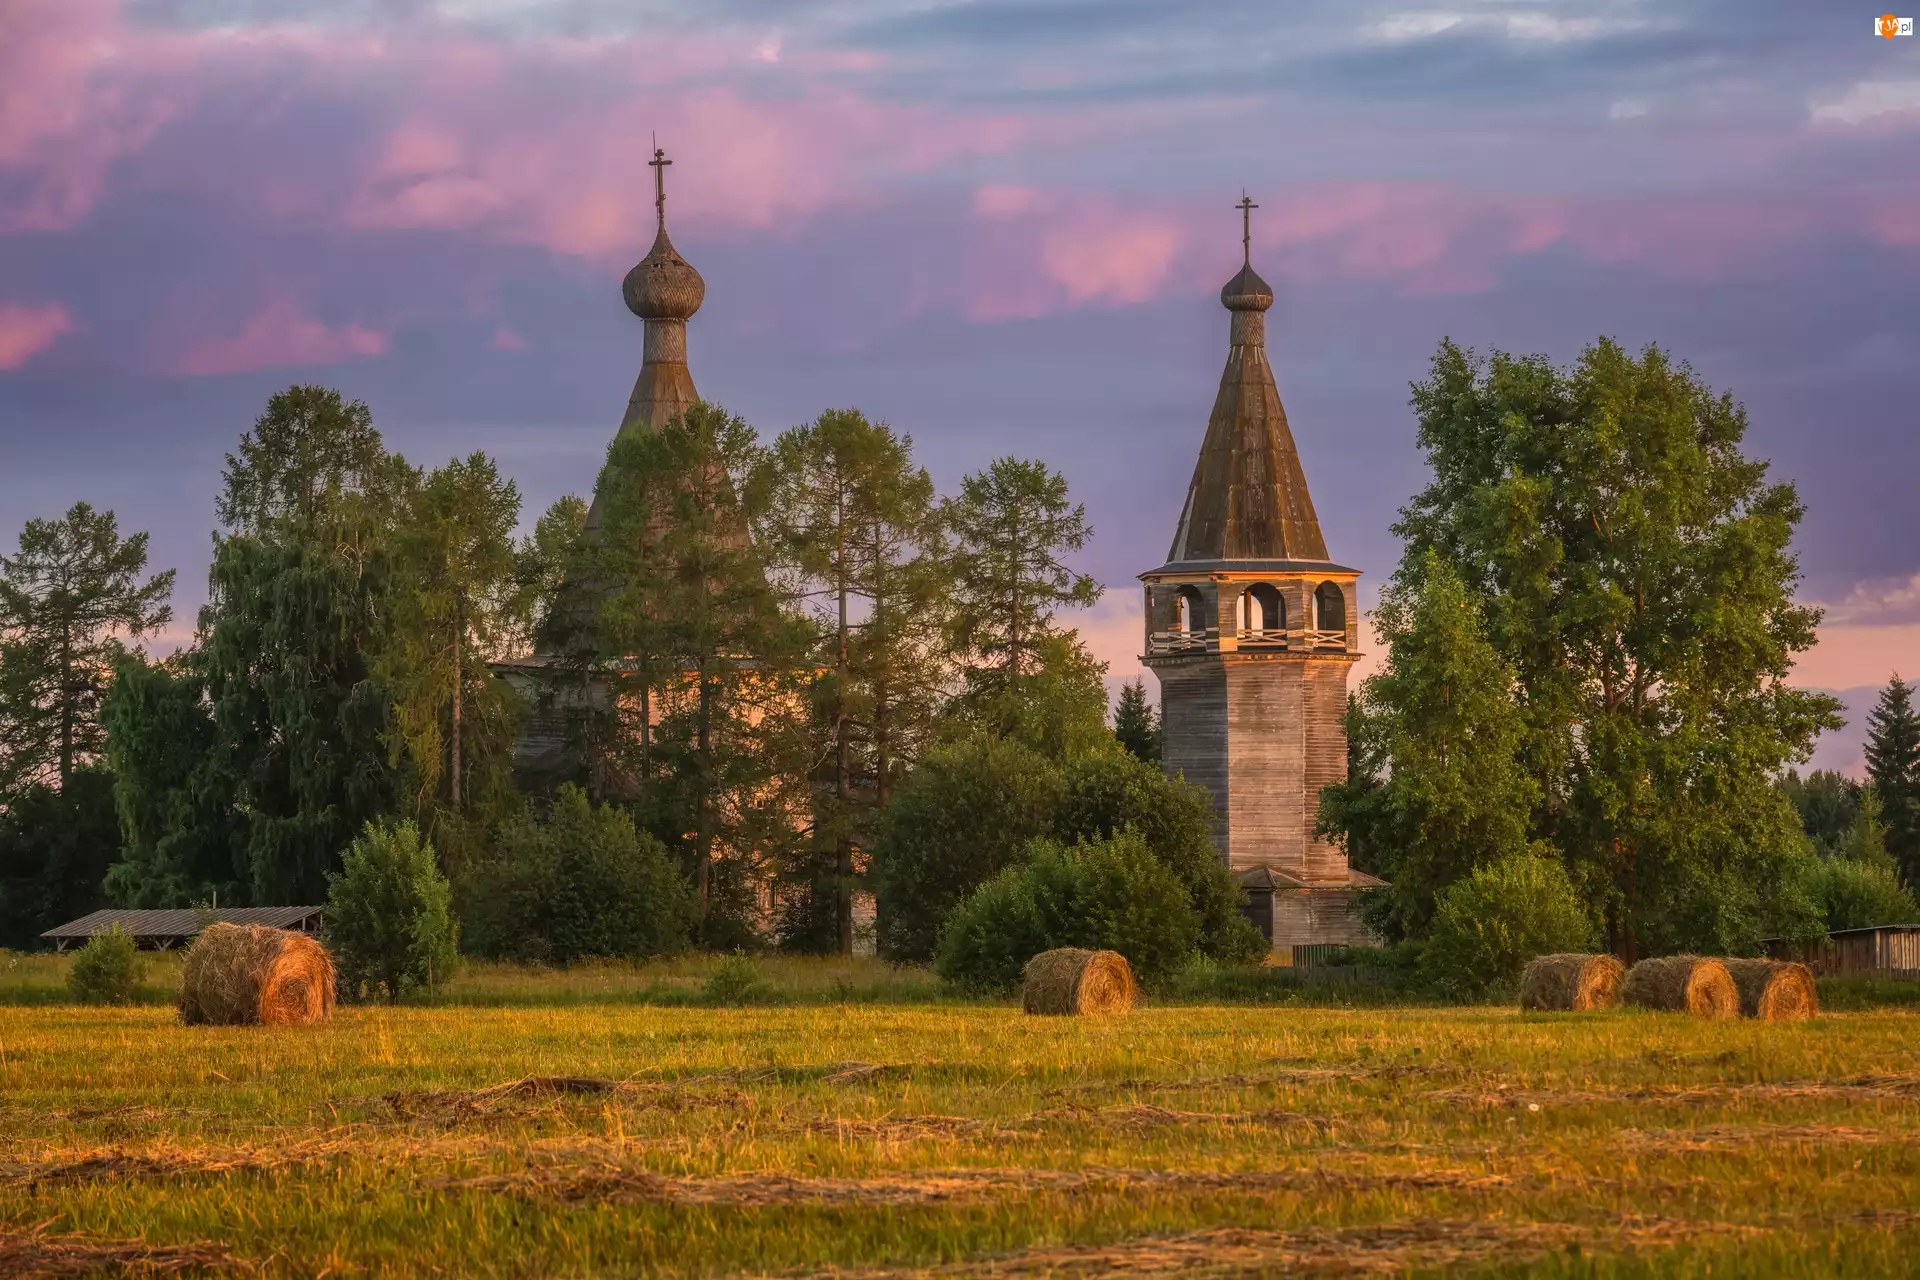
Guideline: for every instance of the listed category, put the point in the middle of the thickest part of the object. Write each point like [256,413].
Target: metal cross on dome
[659,165]
[1246,208]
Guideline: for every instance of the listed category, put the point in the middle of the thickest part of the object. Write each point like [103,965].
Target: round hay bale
[1074,980]
[1774,990]
[1683,984]
[250,975]
[1571,983]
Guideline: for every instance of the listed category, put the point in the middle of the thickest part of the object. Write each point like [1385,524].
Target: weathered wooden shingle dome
[662,286]
[1251,631]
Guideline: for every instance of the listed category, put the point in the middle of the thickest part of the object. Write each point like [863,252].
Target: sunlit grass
[1664,1146]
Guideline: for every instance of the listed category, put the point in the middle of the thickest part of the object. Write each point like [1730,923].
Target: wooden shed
[1883,951]
[159,930]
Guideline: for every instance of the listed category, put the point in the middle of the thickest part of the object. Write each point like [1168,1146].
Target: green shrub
[735,981]
[1855,895]
[389,915]
[1105,894]
[107,970]
[1490,922]
[967,811]
[584,883]
[1108,794]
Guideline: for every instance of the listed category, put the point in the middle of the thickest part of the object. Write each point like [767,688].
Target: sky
[1000,225]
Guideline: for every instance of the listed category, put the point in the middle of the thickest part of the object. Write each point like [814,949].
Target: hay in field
[1570,983]
[1074,980]
[1774,990]
[248,975]
[1683,984]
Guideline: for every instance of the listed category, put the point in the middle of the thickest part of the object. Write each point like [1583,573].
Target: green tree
[1136,725]
[389,915]
[1637,577]
[182,838]
[71,597]
[1010,527]
[1893,765]
[454,600]
[582,882]
[963,814]
[1827,803]
[1866,837]
[705,671]
[108,970]
[854,521]
[300,589]
[1441,717]
[1111,895]
[546,558]
[1858,895]
[55,848]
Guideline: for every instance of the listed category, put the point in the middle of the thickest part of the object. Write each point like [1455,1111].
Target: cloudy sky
[1001,225]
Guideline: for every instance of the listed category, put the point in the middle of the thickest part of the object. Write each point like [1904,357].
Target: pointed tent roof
[1248,500]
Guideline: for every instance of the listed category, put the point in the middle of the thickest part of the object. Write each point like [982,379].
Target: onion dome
[663,286]
[1246,292]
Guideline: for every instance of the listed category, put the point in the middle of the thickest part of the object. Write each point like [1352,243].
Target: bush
[1855,895]
[735,981]
[1106,795]
[584,883]
[389,915]
[967,811]
[107,970]
[1106,894]
[1490,922]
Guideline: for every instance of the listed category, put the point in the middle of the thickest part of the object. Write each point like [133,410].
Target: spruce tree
[1136,726]
[1893,765]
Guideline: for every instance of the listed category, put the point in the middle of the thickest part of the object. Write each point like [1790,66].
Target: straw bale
[248,975]
[1774,990]
[1571,983]
[1073,980]
[1683,984]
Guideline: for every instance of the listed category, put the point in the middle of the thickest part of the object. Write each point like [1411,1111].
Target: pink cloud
[1039,251]
[27,331]
[281,334]
[505,339]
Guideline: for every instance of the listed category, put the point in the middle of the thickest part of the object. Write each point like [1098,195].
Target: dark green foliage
[1858,895]
[389,919]
[1442,712]
[1106,895]
[1057,707]
[1893,765]
[55,848]
[581,883]
[735,981]
[107,970]
[182,839]
[856,534]
[70,599]
[1107,795]
[1827,803]
[1136,724]
[965,813]
[1489,923]
[1636,575]
[708,673]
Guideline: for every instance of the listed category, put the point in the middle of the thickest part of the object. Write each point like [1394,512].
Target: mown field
[549,1126]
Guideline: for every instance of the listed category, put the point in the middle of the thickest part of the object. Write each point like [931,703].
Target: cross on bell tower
[1246,208]
[659,165]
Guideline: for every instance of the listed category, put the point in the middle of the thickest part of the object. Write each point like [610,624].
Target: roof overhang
[1200,568]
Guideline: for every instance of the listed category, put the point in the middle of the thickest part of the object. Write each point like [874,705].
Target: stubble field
[588,1136]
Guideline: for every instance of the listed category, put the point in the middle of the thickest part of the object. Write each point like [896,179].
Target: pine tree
[854,521]
[71,598]
[1136,725]
[1893,765]
[453,603]
[705,671]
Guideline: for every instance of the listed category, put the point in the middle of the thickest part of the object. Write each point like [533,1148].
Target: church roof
[1248,499]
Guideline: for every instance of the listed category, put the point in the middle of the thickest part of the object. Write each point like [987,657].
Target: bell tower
[1251,631]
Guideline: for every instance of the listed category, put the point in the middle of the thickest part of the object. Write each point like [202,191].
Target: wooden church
[1251,630]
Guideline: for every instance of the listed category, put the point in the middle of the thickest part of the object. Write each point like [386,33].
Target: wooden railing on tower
[1207,640]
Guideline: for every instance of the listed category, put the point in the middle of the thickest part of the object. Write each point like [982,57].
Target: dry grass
[620,1139]
[36,1255]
